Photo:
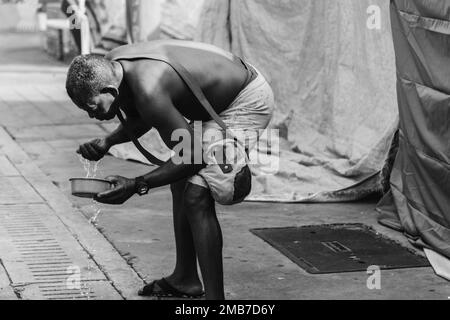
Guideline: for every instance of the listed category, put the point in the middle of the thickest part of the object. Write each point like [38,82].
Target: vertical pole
[85,30]
[82,4]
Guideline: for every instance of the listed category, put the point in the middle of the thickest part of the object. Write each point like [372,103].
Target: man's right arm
[96,149]
[119,136]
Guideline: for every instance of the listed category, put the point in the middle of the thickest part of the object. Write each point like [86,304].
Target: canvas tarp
[334,81]
[150,20]
[419,203]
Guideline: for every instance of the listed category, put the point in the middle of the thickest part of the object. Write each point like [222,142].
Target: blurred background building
[112,22]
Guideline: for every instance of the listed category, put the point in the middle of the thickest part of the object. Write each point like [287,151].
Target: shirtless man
[152,95]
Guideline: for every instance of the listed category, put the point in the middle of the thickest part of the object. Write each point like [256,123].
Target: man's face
[101,107]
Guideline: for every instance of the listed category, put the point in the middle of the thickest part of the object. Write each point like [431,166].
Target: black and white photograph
[224,156]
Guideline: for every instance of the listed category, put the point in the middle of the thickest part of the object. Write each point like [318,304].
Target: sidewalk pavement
[48,249]
[42,130]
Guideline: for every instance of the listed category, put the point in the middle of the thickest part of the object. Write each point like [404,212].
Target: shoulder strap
[150,157]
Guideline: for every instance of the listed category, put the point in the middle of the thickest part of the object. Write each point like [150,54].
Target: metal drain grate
[59,291]
[36,250]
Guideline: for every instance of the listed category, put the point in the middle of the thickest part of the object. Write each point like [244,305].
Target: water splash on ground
[91,169]
[95,210]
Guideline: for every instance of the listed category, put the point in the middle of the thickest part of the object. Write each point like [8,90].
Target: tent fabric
[179,18]
[150,20]
[419,203]
[439,263]
[334,80]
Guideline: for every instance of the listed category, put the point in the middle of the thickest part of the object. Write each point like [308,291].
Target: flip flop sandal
[167,291]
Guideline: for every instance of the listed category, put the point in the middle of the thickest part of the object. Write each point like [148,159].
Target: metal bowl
[89,188]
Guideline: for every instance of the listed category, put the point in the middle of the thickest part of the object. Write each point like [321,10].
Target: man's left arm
[174,130]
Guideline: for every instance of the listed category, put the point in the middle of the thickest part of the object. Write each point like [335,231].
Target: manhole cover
[339,248]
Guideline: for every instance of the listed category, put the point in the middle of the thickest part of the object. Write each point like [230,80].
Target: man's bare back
[220,75]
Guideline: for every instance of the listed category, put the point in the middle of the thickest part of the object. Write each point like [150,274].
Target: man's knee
[197,199]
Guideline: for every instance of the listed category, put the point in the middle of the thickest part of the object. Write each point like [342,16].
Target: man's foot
[163,289]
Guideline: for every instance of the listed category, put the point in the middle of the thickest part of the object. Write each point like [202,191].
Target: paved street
[39,132]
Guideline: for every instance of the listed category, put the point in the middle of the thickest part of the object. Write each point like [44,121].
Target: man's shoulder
[136,50]
[160,46]
[147,77]
[139,66]
[118,52]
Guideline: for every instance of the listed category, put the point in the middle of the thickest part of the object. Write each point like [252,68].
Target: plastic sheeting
[331,64]
[179,18]
[419,203]
[149,20]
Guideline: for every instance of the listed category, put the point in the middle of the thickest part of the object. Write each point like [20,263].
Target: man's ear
[111,90]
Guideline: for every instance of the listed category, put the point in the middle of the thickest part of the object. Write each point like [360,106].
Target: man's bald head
[88,75]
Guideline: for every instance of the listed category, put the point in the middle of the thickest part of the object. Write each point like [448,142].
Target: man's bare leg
[208,240]
[185,277]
